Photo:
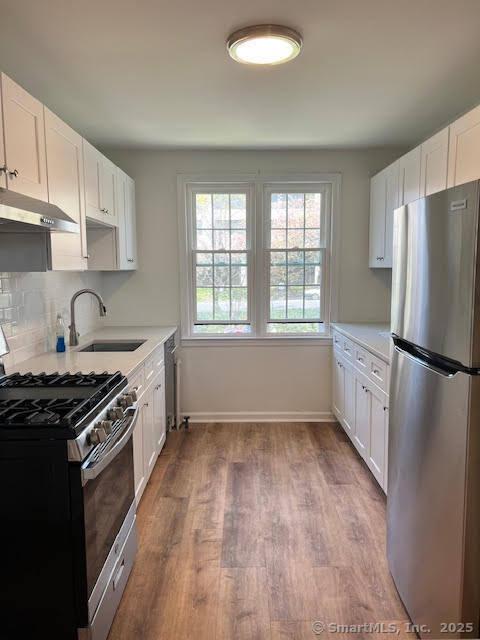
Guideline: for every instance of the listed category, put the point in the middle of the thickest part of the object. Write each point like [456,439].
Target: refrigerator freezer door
[434,267]
[428,429]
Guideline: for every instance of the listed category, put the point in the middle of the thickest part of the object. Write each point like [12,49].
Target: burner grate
[59,401]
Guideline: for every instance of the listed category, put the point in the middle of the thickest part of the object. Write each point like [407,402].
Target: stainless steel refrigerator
[433,498]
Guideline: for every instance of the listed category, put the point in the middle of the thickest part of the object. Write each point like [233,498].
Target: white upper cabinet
[100,186]
[108,186]
[434,163]
[131,225]
[66,189]
[383,202]
[464,149]
[92,160]
[409,177]
[24,136]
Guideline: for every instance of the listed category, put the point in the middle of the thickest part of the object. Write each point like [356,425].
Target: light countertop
[373,337]
[125,361]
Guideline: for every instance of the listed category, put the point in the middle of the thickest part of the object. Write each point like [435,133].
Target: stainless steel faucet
[73,329]
[4,349]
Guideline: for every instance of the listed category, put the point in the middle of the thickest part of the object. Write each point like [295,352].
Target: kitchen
[230,370]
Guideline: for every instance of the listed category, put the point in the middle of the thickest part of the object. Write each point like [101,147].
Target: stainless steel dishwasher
[171,383]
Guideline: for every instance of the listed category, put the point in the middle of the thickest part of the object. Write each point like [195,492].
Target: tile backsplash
[29,303]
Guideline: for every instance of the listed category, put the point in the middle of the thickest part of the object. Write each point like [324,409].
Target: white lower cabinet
[150,431]
[377,455]
[138,468]
[361,407]
[362,419]
[159,414]
[338,386]
[349,399]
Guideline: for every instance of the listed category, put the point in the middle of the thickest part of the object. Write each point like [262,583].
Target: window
[296,255]
[220,217]
[257,257]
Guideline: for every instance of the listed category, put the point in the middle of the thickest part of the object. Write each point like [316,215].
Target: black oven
[103,499]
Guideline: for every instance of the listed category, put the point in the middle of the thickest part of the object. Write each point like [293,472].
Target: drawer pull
[360,359]
[376,372]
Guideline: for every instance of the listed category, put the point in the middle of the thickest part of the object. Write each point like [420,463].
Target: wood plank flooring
[255,531]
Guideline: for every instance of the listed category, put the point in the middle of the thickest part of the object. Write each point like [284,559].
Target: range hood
[22,213]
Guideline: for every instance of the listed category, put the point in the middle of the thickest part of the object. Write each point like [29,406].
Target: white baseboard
[261,416]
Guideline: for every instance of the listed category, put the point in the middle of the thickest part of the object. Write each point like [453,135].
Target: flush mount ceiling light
[265,44]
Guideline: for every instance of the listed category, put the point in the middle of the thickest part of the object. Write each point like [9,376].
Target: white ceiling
[156,73]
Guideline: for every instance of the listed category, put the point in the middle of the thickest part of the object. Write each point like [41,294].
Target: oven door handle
[89,473]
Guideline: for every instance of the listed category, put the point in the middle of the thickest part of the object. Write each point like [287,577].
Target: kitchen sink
[121,345]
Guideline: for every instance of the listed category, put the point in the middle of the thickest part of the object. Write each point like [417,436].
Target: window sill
[252,341]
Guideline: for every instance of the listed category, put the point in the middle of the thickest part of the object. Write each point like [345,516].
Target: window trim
[258,182]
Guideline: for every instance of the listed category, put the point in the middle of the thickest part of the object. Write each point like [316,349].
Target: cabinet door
[409,177]
[159,414]
[3,162]
[338,387]
[131,225]
[378,435]
[149,450]
[138,457]
[378,201]
[107,194]
[464,149]
[391,205]
[93,175]
[349,401]
[66,189]
[24,134]
[362,419]
[434,164]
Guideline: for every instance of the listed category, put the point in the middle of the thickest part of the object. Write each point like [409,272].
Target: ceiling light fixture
[266,44]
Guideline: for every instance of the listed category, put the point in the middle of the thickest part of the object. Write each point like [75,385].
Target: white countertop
[124,361]
[373,337]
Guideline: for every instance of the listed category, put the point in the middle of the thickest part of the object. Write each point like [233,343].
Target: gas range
[66,456]
[61,405]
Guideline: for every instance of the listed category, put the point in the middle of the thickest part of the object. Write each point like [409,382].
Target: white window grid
[324,190]
[212,189]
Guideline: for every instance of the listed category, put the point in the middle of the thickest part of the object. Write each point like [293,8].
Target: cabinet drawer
[348,349]
[337,340]
[378,372]
[137,381]
[153,364]
[362,359]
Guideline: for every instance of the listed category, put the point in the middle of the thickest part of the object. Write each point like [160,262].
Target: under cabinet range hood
[22,213]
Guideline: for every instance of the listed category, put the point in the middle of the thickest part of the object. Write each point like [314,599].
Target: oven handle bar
[89,473]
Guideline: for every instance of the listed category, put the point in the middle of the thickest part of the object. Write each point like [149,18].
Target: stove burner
[39,412]
[58,401]
[55,380]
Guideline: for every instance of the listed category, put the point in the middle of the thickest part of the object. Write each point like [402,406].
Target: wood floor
[255,531]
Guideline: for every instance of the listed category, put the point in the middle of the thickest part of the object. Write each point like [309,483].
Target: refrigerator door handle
[432,361]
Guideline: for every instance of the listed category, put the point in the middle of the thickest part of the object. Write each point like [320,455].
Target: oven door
[108,498]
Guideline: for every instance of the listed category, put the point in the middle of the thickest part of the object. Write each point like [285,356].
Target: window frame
[288,187]
[258,251]
[192,189]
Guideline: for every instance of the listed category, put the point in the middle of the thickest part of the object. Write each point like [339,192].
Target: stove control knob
[133,395]
[126,401]
[107,426]
[97,435]
[115,414]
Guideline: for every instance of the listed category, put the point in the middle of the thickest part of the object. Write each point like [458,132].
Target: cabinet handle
[360,359]
[13,174]
[376,372]
[385,408]
[146,404]
[379,257]
[3,169]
